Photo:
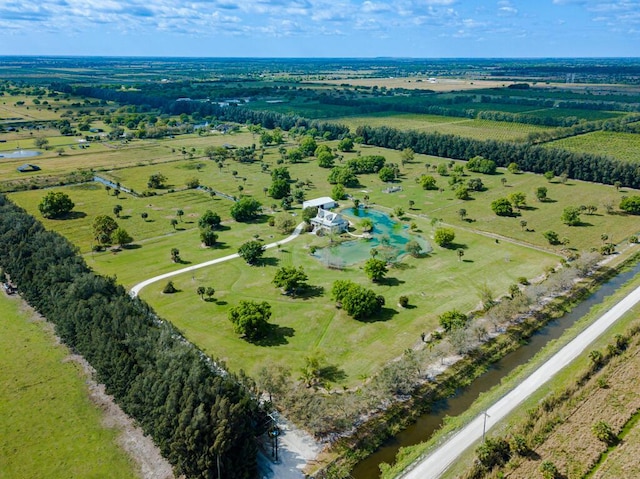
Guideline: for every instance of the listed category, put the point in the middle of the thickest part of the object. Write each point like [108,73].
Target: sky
[322,28]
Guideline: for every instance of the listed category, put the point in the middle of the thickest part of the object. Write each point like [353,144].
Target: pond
[19,154]
[388,237]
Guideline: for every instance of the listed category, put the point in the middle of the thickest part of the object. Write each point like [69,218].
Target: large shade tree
[55,204]
[251,319]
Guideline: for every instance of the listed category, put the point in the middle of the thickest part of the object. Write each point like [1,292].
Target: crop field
[49,426]
[589,115]
[470,128]
[441,84]
[622,146]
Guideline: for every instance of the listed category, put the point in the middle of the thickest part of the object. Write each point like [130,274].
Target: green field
[312,323]
[48,426]
[470,128]
[622,146]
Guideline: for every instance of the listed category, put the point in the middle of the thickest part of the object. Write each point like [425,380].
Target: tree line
[203,419]
[533,158]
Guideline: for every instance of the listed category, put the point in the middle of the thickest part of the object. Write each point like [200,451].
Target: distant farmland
[622,146]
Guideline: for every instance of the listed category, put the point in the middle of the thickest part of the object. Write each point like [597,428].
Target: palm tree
[460,254]
[174,222]
[179,214]
[201,290]
[462,213]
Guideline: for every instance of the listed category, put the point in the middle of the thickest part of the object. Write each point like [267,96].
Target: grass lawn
[622,146]
[471,128]
[433,284]
[312,323]
[48,426]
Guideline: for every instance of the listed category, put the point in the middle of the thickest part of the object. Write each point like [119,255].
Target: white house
[325,203]
[329,222]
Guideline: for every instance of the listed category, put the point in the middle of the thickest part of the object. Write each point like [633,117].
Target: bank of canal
[424,427]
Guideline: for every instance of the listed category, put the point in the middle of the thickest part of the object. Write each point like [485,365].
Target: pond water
[19,154]
[388,237]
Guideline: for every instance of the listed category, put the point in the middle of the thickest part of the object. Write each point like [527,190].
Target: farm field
[622,146]
[470,128]
[49,428]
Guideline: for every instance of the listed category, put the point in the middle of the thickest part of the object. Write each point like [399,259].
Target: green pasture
[49,426]
[311,323]
[110,155]
[497,251]
[622,146]
[471,128]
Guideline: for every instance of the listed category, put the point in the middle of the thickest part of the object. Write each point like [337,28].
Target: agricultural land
[159,156]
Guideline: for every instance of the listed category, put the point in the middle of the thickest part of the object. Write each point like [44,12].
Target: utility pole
[484,424]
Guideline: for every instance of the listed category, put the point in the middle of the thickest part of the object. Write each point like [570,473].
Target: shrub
[169,288]
[444,237]
[403,301]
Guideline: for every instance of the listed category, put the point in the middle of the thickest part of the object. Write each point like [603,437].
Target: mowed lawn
[48,426]
[434,284]
[311,323]
[622,146]
[470,128]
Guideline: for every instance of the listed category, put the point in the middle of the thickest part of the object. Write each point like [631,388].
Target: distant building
[329,222]
[28,167]
[325,203]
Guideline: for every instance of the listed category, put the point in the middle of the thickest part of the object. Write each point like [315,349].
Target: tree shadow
[311,292]
[258,220]
[220,302]
[270,261]
[467,261]
[528,208]
[124,217]
[391,281]
[72,215]
[332,373]
[583,223]
[456,246]
[132,246]
[384,315]
[275,336]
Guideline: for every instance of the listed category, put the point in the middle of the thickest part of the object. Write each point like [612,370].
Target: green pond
[389,238]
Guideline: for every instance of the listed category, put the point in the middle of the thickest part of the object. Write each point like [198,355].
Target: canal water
[425,426]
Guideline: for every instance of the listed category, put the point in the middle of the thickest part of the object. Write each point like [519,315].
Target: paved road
[436,463]
[136,289]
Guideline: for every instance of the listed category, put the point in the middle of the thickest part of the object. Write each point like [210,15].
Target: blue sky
[321,28]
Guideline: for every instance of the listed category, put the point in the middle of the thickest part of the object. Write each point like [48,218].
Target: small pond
[389,238]
[19,154]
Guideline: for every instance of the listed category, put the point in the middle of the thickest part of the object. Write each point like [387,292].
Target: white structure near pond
[325,203]
[329,222]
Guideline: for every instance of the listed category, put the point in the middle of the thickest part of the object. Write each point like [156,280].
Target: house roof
[318,202]
[329,218]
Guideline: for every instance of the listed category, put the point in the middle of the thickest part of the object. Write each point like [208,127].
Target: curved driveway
[136,289]
[439,460]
